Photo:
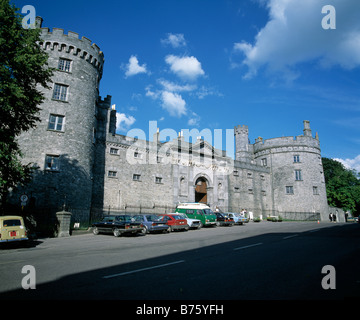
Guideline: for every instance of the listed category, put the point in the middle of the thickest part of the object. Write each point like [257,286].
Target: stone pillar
[64,219]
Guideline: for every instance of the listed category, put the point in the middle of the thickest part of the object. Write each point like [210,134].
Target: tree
[23,67]
[342,186]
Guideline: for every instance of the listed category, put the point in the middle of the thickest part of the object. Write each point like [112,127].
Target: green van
[200,211]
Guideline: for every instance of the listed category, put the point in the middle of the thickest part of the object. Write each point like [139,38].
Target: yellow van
[12,228]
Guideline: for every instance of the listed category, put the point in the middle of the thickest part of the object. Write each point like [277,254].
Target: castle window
[298,176]
[60,92]
[64,65]
[136,177]
[158,180]
[52,163]
[289,189]
[112,174]
[264,162]
[114,151]
[316,191]
[56,122]
[296,158]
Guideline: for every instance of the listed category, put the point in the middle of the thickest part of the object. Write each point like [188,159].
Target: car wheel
[95,231]
[116,232]
[145,230]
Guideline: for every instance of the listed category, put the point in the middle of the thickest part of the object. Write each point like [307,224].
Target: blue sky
[215,64]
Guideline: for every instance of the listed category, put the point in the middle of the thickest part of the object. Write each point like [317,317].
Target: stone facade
[83,163]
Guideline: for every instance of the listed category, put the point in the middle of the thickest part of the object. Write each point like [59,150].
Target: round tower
[62,146]
[297,175]
[242,152]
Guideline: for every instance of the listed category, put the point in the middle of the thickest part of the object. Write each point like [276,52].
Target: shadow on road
[270,266]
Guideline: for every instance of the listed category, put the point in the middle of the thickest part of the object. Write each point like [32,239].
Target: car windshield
[125,218]
[109,219]
[152,217]
[177,217]
[208,211]
[12,223]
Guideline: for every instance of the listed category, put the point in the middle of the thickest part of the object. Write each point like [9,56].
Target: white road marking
[288,237]
[249,246]
[143,269]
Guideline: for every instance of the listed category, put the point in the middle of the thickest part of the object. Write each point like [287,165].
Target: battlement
[71,44]
[241,129]
[287,144]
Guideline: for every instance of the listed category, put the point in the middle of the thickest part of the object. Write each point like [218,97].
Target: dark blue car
[152,223]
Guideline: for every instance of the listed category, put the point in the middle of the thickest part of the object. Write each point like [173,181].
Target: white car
[192,223]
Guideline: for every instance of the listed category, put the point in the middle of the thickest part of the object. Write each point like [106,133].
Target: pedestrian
[330,216]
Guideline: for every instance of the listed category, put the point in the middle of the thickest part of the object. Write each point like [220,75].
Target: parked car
[118,225]
[237,217]
[224,220]
[192,223]
[152,223]
[175,221]
[200,211]
[12,228]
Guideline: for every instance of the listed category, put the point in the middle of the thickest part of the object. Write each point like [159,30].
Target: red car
[175,221]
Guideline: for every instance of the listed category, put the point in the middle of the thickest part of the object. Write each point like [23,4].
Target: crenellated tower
[297,175]
[242,145]
[62,146]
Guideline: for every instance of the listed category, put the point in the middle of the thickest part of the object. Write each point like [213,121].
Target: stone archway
[201,186]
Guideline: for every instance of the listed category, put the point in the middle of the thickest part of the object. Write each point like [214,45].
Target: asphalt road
[267,261]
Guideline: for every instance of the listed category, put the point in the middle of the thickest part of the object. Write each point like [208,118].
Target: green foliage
[23,67]
[342,186]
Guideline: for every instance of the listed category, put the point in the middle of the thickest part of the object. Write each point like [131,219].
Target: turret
[242,152]
[307,130]
[63,143]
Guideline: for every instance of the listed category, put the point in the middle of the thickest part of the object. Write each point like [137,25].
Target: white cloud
[351,163]
[123,122]
[173,103]
[294,35]
[188,68]
[171,86]
[205,91]
[133,67]
[175,40]
[171,100]
[194,120]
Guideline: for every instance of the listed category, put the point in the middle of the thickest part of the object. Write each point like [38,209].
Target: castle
[81,161]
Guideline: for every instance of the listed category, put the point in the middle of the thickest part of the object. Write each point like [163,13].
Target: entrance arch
[201,186]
